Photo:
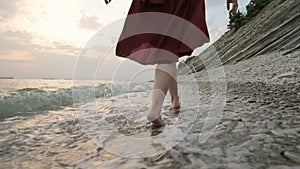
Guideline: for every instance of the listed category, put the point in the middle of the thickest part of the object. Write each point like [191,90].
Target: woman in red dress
[152,47]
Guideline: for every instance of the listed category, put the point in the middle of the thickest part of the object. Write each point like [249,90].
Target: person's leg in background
[173,90]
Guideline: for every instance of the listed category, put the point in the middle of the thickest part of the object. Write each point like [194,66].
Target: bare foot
[155,118]
[175,103]
[159,122]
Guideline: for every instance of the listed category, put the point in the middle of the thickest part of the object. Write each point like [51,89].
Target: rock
[49,153]
[285,75]
[43,138]
[2,140]
[278,134]
[73,146]
[289,131]
[291,156]
[248,69]
[63,164]
[13,149]
[251,101]
[12,132]
[273,29]
[283,167]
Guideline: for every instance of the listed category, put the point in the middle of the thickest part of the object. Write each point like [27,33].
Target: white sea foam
[21,96]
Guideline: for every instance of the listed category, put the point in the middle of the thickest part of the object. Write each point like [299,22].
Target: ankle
[176,98]
[175,103]
[154,113]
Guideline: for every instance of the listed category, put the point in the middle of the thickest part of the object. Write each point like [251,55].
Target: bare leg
[164,73]
[173,90]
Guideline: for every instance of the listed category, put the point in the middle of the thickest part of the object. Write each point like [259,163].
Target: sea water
[39,119]
[27,96]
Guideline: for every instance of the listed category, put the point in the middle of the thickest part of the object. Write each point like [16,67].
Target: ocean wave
[41,99]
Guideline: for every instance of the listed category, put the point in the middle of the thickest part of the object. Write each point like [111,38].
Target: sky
[44,38]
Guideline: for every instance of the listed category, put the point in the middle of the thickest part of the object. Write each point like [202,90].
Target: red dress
[157,31]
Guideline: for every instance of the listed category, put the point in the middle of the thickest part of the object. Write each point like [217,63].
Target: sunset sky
[43,38]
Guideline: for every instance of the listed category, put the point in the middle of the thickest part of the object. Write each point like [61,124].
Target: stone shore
[259,127]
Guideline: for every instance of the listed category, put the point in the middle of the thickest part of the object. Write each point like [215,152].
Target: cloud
[66,48]
[89,22]
[8,9]
[14,40]
[40,16]
[22,54]
[15,46]
[17,40]
[16,56]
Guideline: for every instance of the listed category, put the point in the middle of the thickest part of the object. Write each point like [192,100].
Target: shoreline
[259,127]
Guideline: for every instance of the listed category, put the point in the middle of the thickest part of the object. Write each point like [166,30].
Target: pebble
[13,149]
[289,131]
[286,75]
[292,156]
[2,140]
[43,138]
[247,69]
[278,134]
[284,167]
